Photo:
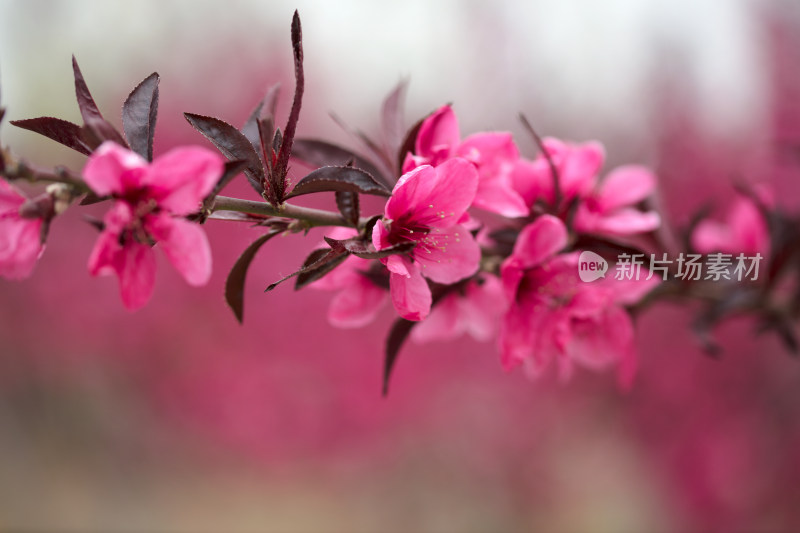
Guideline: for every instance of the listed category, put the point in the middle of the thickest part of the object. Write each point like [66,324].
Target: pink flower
[494,154]
[427,207]
[555,317]
[744,230]
[607,210]
[20,237]
[475,309]
[149,201]
[358,299]
[577,166]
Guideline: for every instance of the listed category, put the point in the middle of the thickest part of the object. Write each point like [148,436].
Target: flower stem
[311,217]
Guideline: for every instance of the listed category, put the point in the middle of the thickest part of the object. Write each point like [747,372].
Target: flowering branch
[536,278]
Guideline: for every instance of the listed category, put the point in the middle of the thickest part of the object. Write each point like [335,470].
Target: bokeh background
[175,418]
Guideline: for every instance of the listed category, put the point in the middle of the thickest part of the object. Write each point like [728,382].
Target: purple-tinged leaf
[321,154]
[318,265]
[250,128]
[277,141]
[265,110]
[95,222]
[370,147]
[232,169]
[370,225]
[338,179]
[233,145]
[366,250]
[348,204]
[409,143]
[278,176]
[315,266]
[86,103]
[234,285]
[397,336]
[61,131]
[139,116]
[265,150]
[98,130]
[392,113]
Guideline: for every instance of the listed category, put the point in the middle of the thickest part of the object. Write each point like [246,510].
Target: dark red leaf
[338,179]
[397,336]
[139,116]
[265,110]
[321,154]
[86,103]
[61,131]
[370,147]
[348,204]
[316,265]
[98,130]
[317,269]
[233,145]
[392,113]
[234,285]
[232,169]
[95,222]
[278,177]
[409,143]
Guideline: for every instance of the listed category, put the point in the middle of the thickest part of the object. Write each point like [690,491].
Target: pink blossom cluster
[535,302]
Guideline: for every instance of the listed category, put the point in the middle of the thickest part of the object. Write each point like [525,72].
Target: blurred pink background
[175,418]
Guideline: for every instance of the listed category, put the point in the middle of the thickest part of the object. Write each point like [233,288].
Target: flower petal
[185,245]
[625,186]
[540,240]
[136,268]
[601,342]
[497,196]
[442,324]
[411,295]
[10,199]
[579,168]
[448,255]
[20,246]
[434,197]
[134,263]
[482,306]
[626,221]
[182,177]
[112,169]
[711,236]
[357,305]
[489,149]
[533,180]
[438,134]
